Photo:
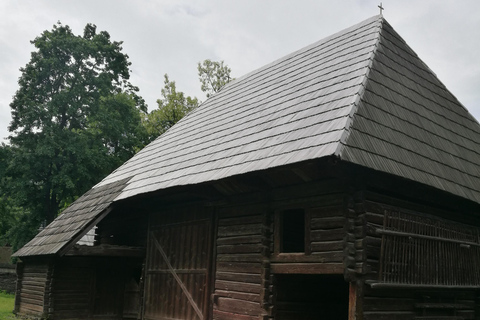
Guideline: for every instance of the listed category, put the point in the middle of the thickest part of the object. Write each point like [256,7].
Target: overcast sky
[172,36]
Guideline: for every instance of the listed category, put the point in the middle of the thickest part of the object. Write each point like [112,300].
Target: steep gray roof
[293,109]
[362,95]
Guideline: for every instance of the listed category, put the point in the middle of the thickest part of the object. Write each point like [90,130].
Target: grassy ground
[6,306]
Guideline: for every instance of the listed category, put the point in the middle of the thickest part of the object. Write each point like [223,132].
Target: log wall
[324,204]
[73,289]
[33,288]
[242,275]
[311,284]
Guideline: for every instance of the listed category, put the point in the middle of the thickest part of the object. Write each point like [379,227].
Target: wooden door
[177,269]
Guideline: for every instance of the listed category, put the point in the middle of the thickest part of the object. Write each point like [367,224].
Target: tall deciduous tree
[172,106]
[75,118]
[213,76]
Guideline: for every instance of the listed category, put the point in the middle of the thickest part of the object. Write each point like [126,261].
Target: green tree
[172,107]
[16,226]
[213,76]
[75,118]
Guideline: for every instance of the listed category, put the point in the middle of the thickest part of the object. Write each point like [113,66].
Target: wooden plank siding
[177,284]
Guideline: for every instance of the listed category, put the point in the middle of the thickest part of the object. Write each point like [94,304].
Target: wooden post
[355,300]
[18,289]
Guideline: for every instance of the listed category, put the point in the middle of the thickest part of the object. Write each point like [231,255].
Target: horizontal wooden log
[31,302]
[373,241]
[326,191]
[372,252]
[327,223]
[240,230]
[250,219]
[32,298]
[375,218]
[466,314]
[327,246]
[106,250]
[307,268]
[73,306]
[387,304]
[26,308]
[239,277]
[241,248]
[239,240]
[35,275]
[253,297]
[439,318]
[388,315]
[34,286]
[61,297]
[221,315]
[177,271]
[442,305]
[322,257]
[239,306]
[327,235]
[239,257]
[383,285]
[326,212]
[237,286]
[35,269]
[33,292]
[239,267]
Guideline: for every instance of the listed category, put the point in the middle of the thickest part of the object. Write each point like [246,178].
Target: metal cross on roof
[381,8]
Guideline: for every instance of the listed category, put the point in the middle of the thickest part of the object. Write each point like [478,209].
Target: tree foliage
[75,118]
[213,76]
[172,106]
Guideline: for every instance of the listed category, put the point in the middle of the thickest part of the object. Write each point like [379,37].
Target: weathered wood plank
[327,223]
[221,315]
[327,212]
[239,257]
[239,230]
[239,277]
[239,306]
[237,286]
[327,246]
[322,257]
[239,240]
[244,220]
[240,248]
[253,297]
[239,267]
[327,235]
[388,315]
[307,268]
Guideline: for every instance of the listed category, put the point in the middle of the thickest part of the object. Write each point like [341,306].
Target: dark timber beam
[105,250]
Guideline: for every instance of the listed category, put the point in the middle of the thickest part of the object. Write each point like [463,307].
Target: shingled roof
[361,95]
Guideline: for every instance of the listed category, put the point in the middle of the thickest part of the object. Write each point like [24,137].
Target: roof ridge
[346,133]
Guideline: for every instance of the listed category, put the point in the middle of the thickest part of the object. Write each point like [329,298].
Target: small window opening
[293,231]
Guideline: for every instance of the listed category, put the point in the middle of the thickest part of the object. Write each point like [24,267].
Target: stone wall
[8,277]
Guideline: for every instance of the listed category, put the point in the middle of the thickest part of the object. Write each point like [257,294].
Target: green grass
[6,306]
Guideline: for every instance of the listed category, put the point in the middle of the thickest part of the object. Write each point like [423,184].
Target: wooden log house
[339,182]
